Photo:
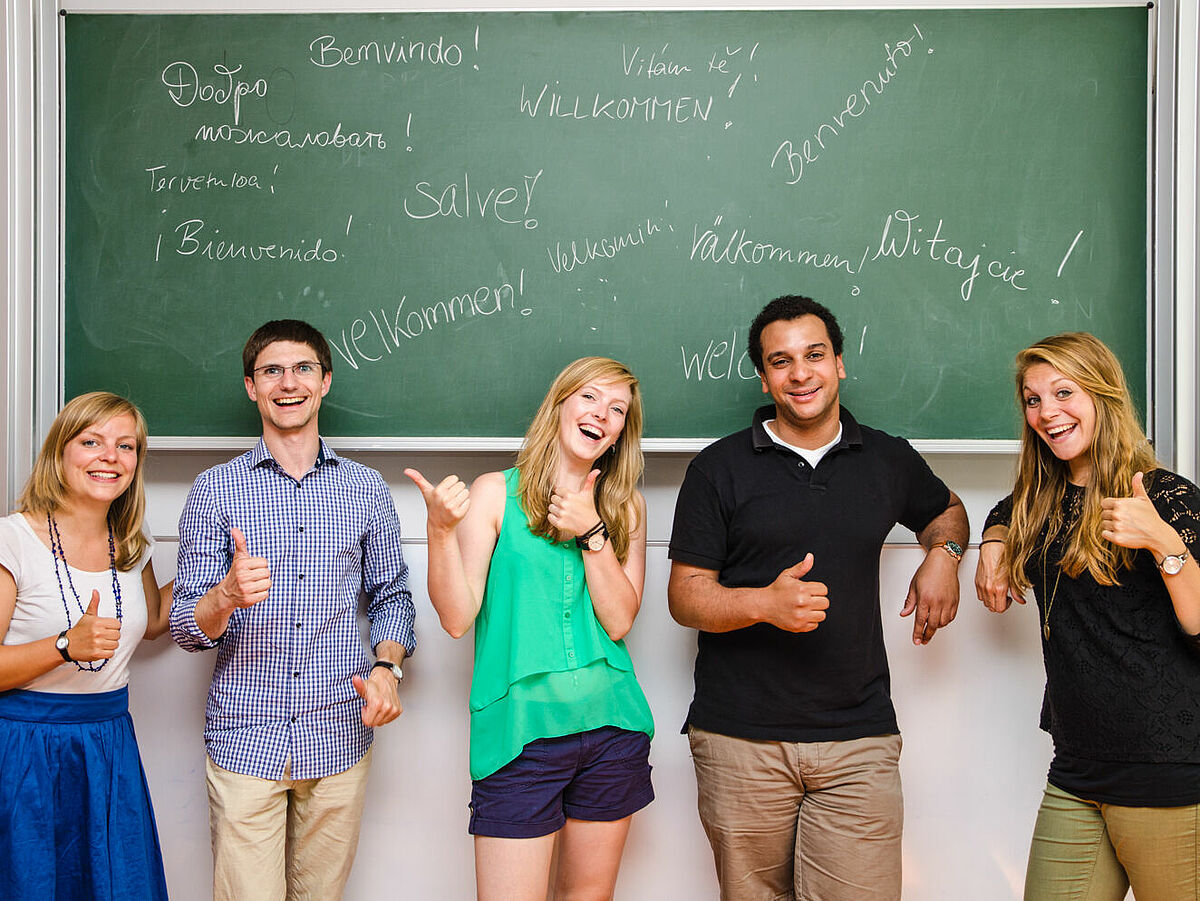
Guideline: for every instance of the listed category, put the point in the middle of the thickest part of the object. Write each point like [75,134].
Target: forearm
[390,652]
[700,602]
[615,599]
[20,664]
[158,608]
[456,602]
[949,525]
[1183,587]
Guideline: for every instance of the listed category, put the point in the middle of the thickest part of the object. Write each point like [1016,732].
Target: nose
[108,451]
[288,379]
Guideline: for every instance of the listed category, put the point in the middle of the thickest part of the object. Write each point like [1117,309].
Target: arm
[380,691]
[699,601]
[91,638]
[158,603]
[1134,522]
[462,527]
[933,592]
[991,573]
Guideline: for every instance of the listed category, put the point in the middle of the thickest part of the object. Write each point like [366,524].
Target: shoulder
[222,472]
[354,471]
[725,452]
[491,487]
[1172,489]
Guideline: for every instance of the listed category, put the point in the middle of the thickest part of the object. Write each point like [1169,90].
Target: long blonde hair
[46,490]
[1119,449]
[620,468]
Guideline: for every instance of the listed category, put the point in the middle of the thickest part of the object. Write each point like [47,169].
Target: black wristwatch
[593,539]
[393,668]
[61,644]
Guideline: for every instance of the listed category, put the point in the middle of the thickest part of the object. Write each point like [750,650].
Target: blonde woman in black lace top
[1107,542]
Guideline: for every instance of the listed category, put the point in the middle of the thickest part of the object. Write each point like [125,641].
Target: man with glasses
[275,548]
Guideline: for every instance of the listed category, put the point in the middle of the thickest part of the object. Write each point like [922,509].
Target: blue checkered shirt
[281,689]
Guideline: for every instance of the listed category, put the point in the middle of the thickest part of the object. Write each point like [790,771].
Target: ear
[250,390]
[841,370]
[762,377]
[326,382]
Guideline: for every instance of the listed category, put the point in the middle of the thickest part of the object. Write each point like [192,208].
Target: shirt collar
[851,433]
[260,455]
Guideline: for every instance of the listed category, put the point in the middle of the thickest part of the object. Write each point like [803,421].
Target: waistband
[51,707]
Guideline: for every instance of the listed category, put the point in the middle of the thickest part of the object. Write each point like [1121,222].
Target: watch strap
[581,541]
[61,645]
[393,668]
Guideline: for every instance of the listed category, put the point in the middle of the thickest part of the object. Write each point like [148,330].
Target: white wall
[974,761]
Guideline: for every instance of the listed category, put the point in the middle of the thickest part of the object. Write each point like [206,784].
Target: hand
[93,637]
[1133,522]
[991,578]
[574,512]
[447,502]
[380,696]
[793,604]
[933,594]
[249,578]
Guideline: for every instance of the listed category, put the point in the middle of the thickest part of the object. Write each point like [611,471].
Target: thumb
[239,542]
[1139,489]
[93,608]
[590,482]
[420,480]
[359,686]
[800,570]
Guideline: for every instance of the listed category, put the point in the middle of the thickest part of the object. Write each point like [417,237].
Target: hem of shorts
[483,828]
[608,814]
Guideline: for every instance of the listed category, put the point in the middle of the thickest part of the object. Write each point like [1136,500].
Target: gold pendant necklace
[1050,600]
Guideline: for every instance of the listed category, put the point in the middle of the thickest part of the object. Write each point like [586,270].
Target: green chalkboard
[464,202]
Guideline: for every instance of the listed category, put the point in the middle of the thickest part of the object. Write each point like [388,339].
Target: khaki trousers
[1084,851]
[290,839]
[801,821]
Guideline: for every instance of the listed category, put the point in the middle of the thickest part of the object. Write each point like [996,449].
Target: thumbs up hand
[446,503]
[248,580]
[793,604]
[93,637]
[574,512]
[1133,522]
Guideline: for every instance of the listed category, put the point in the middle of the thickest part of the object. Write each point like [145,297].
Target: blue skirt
[75,816]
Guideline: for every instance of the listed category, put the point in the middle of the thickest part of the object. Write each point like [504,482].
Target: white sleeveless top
[40,611]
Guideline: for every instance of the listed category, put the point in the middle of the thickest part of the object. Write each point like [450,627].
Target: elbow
[455,628]
[617,631]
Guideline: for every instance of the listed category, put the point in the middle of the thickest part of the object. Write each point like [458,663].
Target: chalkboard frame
[1160,394]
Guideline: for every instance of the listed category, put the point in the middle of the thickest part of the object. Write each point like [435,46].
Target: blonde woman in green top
[547,562]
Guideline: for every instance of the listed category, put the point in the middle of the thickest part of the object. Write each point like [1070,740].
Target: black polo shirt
[748,509]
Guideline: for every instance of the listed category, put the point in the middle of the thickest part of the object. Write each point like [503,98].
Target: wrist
[949,548]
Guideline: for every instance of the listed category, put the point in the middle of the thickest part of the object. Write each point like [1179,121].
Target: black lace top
[1122,678]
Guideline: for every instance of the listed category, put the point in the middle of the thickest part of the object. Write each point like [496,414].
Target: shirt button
[301,576]
[295,675]
[302,528]
[570,653]
[567,615]
[297,625]
[294,719]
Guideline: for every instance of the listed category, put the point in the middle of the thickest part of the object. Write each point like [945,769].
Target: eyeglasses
[305,369]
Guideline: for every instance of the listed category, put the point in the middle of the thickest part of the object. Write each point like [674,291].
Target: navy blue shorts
[602,774]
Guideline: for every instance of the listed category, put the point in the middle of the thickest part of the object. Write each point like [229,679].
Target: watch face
[61,643]
[596,541]
[1171,564]
[955,546]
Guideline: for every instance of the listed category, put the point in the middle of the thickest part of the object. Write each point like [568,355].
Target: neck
[296,452]
[809,436]
[573,473]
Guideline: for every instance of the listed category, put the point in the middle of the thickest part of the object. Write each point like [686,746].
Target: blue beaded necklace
[56,549]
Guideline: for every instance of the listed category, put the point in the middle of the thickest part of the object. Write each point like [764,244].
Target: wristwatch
[393,668]
[593,539]
[953,548]
[1173,563]
[62,641]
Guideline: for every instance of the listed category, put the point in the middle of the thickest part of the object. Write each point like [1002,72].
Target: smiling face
[591,420]
[1063,415]
[99,463]
[288,402]
[801,373]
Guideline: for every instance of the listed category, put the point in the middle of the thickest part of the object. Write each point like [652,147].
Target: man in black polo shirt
[775,559]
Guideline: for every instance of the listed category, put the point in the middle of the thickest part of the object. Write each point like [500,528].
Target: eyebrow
[814,346]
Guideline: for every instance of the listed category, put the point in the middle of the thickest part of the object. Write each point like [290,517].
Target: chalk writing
[325,52]
[284,138]
[182,183]
[718,361]
[902,239]
[657,65]
[382,332]
[673,110]
[711,247]
[460,201]
[565,259]
[795,160]
[184,86]
[190,239]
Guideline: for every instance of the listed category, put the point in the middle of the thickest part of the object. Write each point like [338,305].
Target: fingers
[93,607]
[1139,489]
[239,542]
[420,480]
[380,705]
[359,686]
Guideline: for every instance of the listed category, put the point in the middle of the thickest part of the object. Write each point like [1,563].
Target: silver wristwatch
[1173,563]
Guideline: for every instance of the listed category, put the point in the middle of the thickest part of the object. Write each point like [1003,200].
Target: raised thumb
[1139,488]
[800,570]
[239,542]
[590,482]
[93,608]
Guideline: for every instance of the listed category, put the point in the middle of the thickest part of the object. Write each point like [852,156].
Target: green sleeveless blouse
[544,666]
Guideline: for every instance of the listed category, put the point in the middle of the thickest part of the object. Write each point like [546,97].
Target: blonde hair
[620,468]
[46,490]
[1119,449]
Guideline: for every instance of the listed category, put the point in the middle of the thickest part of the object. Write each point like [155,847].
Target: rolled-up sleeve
[204,559]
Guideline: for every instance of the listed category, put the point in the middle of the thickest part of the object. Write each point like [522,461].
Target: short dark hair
[790,306]
[285,330]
